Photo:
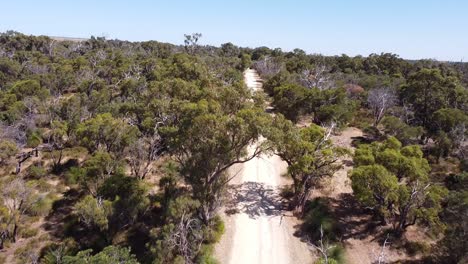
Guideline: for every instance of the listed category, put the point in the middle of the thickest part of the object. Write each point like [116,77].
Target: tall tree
[221,141]
[428,90]
[394,182]
[310,155]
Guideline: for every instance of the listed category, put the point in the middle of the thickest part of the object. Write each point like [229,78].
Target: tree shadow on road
[255,199]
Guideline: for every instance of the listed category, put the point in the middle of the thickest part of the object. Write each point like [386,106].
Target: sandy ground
[258,228]
[340,182]
[252,80]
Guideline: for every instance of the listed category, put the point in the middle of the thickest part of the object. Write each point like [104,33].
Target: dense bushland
[120,150]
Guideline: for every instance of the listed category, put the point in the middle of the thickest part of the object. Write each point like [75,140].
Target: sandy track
[259,229]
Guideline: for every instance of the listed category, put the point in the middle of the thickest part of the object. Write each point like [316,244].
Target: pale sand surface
[260,230]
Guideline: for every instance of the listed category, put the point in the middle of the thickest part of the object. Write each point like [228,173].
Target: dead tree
[143,153]
[380,100]
[187,238]
[382,258]
[318,77]
[267,67]
[323,247]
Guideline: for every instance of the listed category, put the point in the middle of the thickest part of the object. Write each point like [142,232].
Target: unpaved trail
[259,229]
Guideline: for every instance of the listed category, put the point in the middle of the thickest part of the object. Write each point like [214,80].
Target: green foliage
[110,254]
[36,172]
[428,90]
[394,182]
[403,132]
[206,255]
[310,155]
[246,61]
[23,89]
[106,133]
[106,95]
[290,100]
[452,248]
[335,256]
[446,119]
[54,253]
[43,205]
[96,170]
[282,78]
[28,232]
[128,195]
[94,212]
[74,175]
[8,149]
[215,230]
[34,139]
[326,105]
[374,186]
[221,142]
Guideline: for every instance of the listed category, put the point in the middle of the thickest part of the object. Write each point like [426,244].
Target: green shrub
[43,205]
[28,232]
[36,172]
[205,256]
[215,231]
[8,150]
[74,175]
[34,139]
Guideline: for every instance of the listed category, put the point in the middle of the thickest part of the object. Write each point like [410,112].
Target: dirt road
[258,229]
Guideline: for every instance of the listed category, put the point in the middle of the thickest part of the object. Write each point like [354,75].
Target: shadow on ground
[255,199]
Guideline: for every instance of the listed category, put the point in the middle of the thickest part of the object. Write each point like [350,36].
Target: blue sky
[413,29]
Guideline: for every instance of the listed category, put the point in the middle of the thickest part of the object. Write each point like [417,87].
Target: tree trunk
[15,232]
[300,202]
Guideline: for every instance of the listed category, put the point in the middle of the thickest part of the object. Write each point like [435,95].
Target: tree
[380,100]
[246,61]
[310,155]
[452,248]
[18,197]
[318,77]
[8,149]
[452,124]
[229,50]
[110,254]
[107,133]
[143,152]
[375,187]
[330,105]
[4,224]
[191,42]
[406,134]
[221,142]
[129,198]
[290,100]
[427,91]
[325,249]
[94,212]
[393,181]
[58,138]
[23,89]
